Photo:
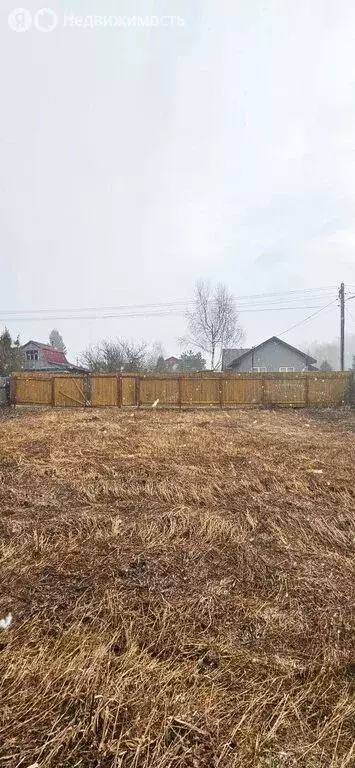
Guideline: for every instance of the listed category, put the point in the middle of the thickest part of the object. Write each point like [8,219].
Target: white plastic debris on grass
[6,622]
[156,402]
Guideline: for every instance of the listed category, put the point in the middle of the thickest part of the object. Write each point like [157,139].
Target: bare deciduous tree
[155,358]
[115,356]
[134,356]
[213,321]
[92,358]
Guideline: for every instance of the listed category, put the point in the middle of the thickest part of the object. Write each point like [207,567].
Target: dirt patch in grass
[182,588]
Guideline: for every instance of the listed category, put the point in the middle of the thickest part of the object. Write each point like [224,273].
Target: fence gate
[70,391]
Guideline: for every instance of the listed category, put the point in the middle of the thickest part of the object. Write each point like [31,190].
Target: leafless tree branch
[213,321]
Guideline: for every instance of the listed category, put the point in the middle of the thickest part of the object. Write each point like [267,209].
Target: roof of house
[54,356]
[172,359]
[309,360]
[229,355]
[50,354]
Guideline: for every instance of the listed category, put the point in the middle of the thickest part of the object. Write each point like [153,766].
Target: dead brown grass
[182,586]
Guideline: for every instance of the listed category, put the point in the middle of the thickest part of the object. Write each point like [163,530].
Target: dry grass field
[182,589]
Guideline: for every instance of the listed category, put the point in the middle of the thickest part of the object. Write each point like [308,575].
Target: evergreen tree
[160,366]
[56,341]
[191,362]
[10,355]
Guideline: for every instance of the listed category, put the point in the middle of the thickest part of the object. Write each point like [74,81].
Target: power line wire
[307,318]
[175,313]
[165,310]
[308,293]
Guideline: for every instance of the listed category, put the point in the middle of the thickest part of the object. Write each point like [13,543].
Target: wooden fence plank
[306,390]
[262,393]
[180,392]
[128,390]
[119,391]
[220,383]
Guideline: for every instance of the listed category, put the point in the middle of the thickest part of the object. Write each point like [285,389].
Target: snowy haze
[137,160]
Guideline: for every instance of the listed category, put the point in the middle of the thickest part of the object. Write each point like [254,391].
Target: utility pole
[342,324]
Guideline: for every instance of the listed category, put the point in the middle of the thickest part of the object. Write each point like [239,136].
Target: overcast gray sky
[137,160]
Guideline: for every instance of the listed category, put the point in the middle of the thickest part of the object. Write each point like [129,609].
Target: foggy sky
[137,160]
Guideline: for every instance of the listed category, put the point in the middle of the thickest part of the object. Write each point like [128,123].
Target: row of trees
[128,356]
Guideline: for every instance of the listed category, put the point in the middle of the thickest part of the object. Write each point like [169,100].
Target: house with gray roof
[272,355]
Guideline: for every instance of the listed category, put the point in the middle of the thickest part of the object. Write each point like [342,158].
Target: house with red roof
[43,357]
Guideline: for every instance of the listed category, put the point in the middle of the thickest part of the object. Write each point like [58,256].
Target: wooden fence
[192,390]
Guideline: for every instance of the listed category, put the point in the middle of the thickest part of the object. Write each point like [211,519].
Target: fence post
[53,391]
[306,391]
[138,391]
[87,389]
[119,391]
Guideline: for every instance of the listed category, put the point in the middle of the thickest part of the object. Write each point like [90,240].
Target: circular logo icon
[20,20]
[45,20]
